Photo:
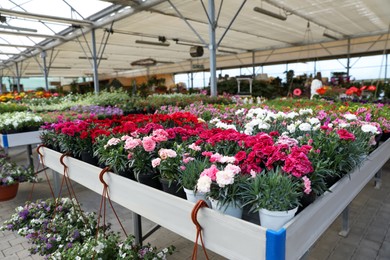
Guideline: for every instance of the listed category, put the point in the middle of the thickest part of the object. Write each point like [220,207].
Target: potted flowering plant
[111,152]
[221,183]
[168,164]
[273,193]
[58,229]
[11,174]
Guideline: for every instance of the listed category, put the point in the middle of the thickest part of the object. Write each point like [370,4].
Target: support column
[253,65]
[348,56]
[385,79]
[94,61]
[212,49]
[45,71]
[17,76]
[192,80]
[204,79]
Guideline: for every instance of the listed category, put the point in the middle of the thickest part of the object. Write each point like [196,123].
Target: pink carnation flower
[113,141]
[156,162]
[131,143]
[165,153]
[148,144]
[194,147]
[210,172]
[160,135]
[233,168]
[215,158]
[307,184]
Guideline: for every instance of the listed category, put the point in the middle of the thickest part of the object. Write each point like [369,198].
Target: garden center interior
[95,46]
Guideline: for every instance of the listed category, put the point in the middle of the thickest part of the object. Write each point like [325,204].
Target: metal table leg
[30,157]
[137,223]
[345,223]
[378,179]
[56,183]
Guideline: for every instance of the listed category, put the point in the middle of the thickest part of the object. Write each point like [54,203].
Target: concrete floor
[369,238]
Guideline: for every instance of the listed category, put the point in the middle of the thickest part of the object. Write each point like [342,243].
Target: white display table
[21,139]
[228,236]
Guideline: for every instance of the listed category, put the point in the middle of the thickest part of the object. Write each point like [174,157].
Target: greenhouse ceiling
[140,37]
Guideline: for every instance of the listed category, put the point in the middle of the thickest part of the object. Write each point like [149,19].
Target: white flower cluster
[260,118]
[218,123]
[369,129]
[15,120]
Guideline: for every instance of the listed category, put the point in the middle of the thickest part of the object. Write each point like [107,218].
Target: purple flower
[76,234]
[23,214]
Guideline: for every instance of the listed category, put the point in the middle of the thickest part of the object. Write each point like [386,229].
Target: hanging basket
[8,192]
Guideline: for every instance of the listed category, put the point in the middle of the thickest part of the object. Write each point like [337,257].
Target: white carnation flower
[369,129]
[204,183]
[305,127]
[350,117]
[224,178]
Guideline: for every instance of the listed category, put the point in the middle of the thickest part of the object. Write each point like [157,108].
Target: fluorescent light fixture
[38,74]
[60,68]
[90,58]
[121,69]
[269,13]
[226,51]
[9,27]
[165,44]
[330,36]
[11,53]
[165,62]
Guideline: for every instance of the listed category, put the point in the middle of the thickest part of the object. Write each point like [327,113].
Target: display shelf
[19,139]
[228,236]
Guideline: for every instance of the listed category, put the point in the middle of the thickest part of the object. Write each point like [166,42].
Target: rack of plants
[228,236]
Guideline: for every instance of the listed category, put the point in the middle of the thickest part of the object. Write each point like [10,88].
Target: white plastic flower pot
[275,219]
[229,209]
[191,196]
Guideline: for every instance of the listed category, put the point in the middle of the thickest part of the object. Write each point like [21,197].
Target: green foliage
[190,175]
[272,191]
[12,107]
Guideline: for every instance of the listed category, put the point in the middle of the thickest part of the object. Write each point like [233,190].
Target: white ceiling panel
[118,24]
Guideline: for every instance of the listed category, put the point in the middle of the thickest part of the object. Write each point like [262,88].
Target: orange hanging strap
[105,194]
[69,186]
[194,215]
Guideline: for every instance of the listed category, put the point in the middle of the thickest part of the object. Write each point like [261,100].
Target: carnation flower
[345,135]
[166,153]
[132,143]
[210,172]
[305,127]
[369,129]
[224,178]
[233,168]
[156,162]
[204,183]
[307,184]
[148,144]
[350,117]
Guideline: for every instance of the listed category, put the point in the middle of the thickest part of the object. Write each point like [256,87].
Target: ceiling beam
[50,43]
[20,46]
[45,17]
[307,18]
[55,36]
